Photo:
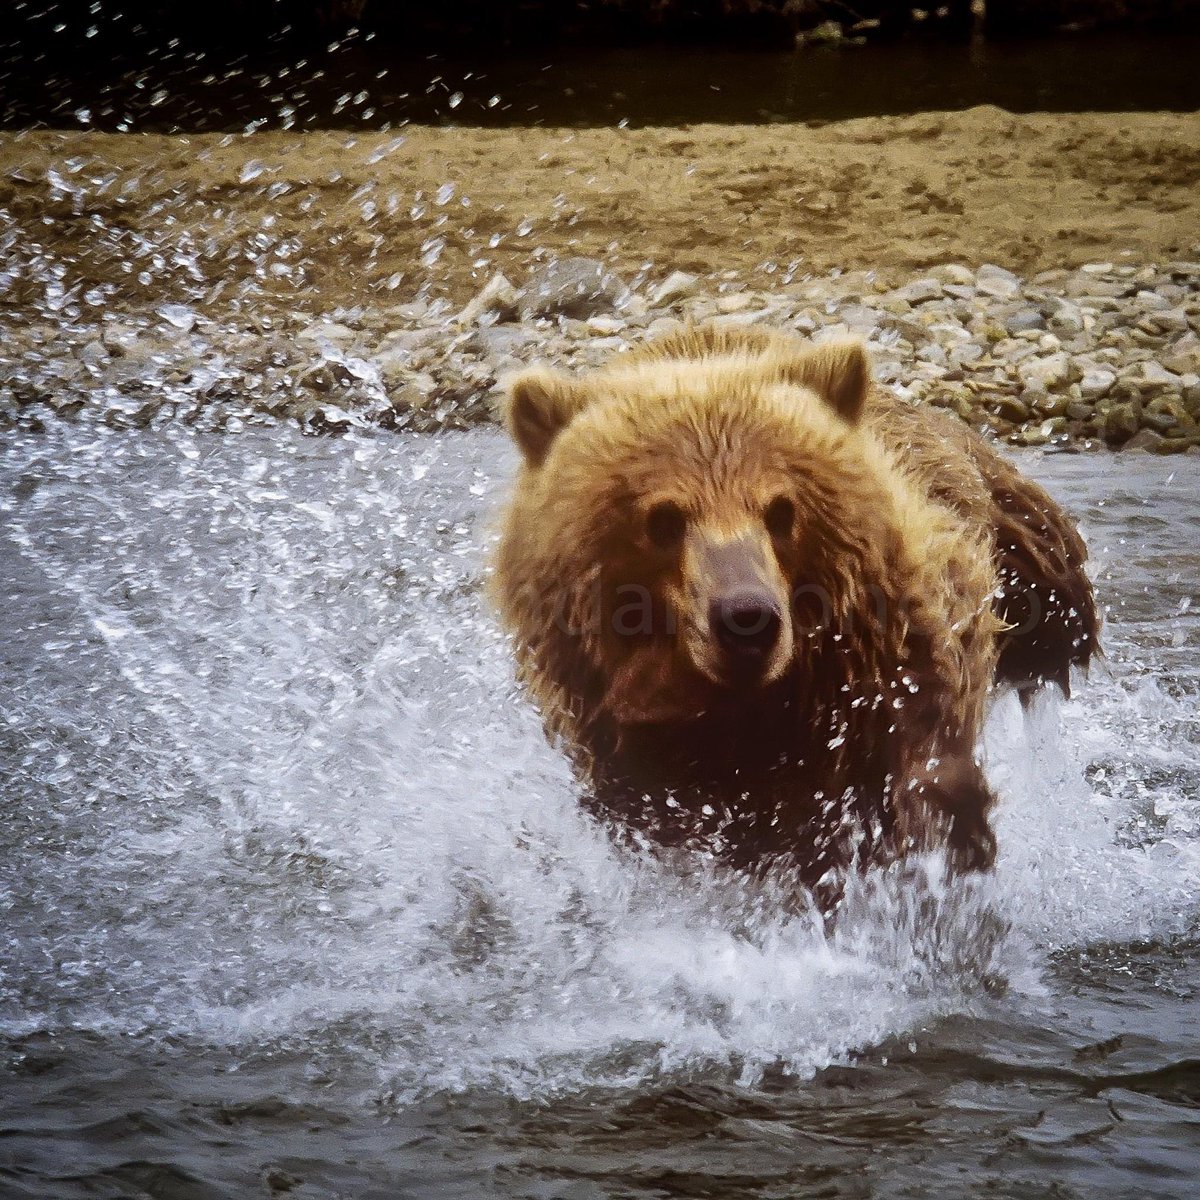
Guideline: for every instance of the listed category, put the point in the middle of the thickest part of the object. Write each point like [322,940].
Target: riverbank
[1035,273]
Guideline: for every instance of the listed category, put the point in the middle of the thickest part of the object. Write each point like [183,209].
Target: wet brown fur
[923,541]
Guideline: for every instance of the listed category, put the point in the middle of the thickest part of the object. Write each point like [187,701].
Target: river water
[127,84]
[297,901]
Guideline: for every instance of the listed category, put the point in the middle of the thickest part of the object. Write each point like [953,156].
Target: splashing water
[271,789]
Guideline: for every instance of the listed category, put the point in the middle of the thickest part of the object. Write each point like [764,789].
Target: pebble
[119,339]
[920,290]
[1097,382]
[94,354]
[679,285]
[1064,318]
[327,332]
[1014,409]
[737,303]
[967,353]
[605,326]
[996,281]
[1052,371]
[1025,319]
[954,274]
[1098,355]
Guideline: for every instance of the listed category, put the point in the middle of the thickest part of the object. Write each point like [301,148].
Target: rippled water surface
[297,901]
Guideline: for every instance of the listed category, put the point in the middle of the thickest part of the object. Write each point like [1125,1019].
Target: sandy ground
[318,220]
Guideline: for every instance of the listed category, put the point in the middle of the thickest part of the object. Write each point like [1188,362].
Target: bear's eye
[666,524]
[780,516]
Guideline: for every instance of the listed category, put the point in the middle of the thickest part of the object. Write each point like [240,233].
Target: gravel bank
[1037,274]
[1106,355]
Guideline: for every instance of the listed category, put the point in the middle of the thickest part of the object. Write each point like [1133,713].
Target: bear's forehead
[705,452]
[692,419]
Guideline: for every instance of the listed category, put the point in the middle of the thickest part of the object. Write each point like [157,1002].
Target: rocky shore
[394,278]
[1106,355]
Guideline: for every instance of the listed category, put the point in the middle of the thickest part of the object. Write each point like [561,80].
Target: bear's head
[685,528]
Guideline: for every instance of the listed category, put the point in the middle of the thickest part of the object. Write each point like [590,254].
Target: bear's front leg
[945,802]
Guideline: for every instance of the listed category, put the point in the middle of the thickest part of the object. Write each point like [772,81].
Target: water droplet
[252,170]
[431,251]
[456,99]
[445,193]
[383,151]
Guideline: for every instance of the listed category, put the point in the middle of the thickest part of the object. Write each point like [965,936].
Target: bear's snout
[738,627]
[746,624]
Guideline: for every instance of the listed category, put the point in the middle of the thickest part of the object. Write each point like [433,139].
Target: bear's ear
[540,404]
[839,372]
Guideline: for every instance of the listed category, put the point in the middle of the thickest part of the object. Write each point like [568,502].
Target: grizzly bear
[763,603]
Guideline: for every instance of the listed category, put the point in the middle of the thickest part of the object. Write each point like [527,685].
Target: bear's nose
[746,625]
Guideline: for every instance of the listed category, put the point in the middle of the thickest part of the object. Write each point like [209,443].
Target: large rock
[1121,422]
[1146,440]
[1167,414]
[1014,409]
[1156,378]
[572,287]
[1156,443]
[497,297]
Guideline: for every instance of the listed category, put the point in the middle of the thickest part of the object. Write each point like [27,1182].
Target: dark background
[236,64]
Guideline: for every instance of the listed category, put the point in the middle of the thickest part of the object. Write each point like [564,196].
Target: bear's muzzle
[738,631]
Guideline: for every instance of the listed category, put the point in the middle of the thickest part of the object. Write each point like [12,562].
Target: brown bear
[762,603]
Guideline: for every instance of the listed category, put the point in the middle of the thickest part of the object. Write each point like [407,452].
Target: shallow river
[297,901]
